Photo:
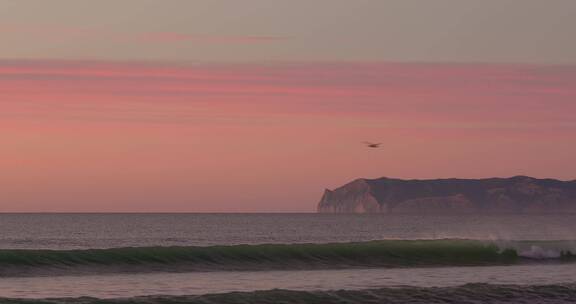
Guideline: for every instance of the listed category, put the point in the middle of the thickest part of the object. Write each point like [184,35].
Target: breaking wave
[389,253]
[469,293]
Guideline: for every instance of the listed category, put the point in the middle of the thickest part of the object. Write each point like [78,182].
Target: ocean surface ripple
[469,293]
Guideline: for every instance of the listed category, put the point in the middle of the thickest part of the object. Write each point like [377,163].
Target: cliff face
[520,194]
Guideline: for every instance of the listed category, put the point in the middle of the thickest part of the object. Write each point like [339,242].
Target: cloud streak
[173,37]
[402,94]
[79,34]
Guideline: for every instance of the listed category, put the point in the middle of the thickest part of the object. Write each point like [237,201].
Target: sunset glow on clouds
[131,134]
[258,105]
[402,95]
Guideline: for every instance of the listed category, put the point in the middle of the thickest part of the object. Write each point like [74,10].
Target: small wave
[469,293]
[390,253]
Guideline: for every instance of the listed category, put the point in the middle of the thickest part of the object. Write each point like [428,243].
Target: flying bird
[372,145]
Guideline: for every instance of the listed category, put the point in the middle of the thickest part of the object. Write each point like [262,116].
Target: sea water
[288,257]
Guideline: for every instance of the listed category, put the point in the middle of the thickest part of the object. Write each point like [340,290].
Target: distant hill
[515,195]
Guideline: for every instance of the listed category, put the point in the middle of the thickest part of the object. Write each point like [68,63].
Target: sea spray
[541,250]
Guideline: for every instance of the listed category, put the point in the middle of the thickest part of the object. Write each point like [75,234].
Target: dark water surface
[85,231]
[178,258]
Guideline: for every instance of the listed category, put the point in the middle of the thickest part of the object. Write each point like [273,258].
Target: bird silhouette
[372,145]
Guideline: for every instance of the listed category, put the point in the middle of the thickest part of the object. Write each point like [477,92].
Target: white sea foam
[537,252]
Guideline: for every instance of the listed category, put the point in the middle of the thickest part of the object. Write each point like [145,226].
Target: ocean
[287,258]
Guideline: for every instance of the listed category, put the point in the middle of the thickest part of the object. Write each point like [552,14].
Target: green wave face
[392,253]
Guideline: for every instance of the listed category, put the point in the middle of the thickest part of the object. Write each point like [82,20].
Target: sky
[259,105]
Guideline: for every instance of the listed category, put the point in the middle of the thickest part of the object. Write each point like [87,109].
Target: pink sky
[133,136]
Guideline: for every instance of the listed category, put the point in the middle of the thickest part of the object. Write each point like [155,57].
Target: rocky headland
[515,195]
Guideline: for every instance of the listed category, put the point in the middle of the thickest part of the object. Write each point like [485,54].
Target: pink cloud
[414,96]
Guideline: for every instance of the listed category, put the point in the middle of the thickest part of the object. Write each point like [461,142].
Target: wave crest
[390,253]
